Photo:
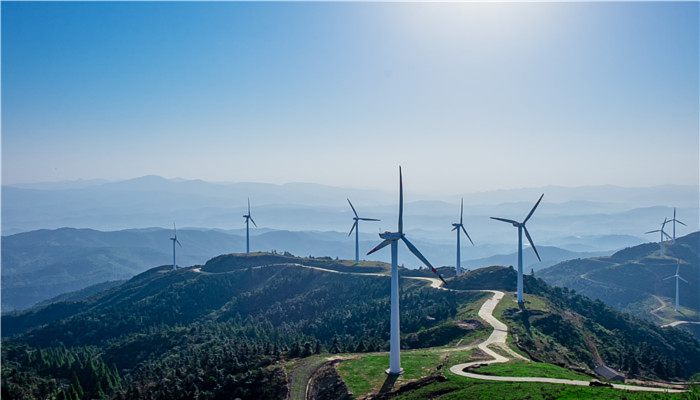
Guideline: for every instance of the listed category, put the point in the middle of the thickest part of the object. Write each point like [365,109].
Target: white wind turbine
[174,239]
[356,228]
[521,227]
[674,220]
[662,233]
[678,277]
[248,219]
[392,238]
[457,226]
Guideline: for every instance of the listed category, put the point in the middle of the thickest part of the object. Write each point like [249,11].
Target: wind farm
[128,123]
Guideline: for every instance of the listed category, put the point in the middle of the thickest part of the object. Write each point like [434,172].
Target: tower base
[391,373]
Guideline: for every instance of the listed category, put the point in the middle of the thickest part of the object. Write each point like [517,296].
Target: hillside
[42,264]
[236,325]
[183,321]
[632,279]
[550,256]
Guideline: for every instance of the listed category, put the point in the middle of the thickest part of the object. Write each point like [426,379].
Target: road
[498,339]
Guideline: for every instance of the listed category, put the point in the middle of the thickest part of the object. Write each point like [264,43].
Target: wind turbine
[356,228]
[677,276]
[457,226]
[174,239]
[521,227]
[662,233]
[674,220]
[248,219]
[392,238]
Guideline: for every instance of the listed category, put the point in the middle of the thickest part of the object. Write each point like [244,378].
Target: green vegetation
[522,368]
[630,278]
[253,332]
[183,334]
[457,387]
[366,374]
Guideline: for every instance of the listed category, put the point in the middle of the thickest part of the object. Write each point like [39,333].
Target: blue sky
[466,96]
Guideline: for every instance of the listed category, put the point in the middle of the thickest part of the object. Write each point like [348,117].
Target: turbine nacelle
[391,235]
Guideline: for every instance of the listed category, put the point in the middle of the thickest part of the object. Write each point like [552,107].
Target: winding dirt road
[498,339]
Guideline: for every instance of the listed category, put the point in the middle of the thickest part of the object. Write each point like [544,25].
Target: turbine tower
[356,228]
[392,238]
[662,233]
[674,220]
[457,226]
[248,219]
[521,227]
[677,276]
[174,239]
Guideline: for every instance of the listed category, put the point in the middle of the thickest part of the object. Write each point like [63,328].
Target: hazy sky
[472,96]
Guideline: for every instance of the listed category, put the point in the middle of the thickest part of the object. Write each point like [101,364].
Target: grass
[470,310]
[457,387]
[366,374]
[521,368]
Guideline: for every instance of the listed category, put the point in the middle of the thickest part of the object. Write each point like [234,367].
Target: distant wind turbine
[392,238]
[661,231]
[457,226]
[521,227]
[248,219]
[356,228]
[174,239]
[677,276]
[674,220]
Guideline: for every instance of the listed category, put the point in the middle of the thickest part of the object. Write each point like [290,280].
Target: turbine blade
[652,231]
[353,208]
[666,234]
[420,256]
[248,205]
[380,246]
[533,209]
[353,228]
[369,219]
[400,201]
[178,242]
[465,232]
[253,221]
[454,228]
[681,278]
[680,222]
[510,221]
[669,277]
[529,239]
[461,212]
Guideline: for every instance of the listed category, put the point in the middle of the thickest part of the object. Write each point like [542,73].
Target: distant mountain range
[42,264]
[155,201]
[632,279]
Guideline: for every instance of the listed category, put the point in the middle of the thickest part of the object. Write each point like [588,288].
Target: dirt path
[497,339]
